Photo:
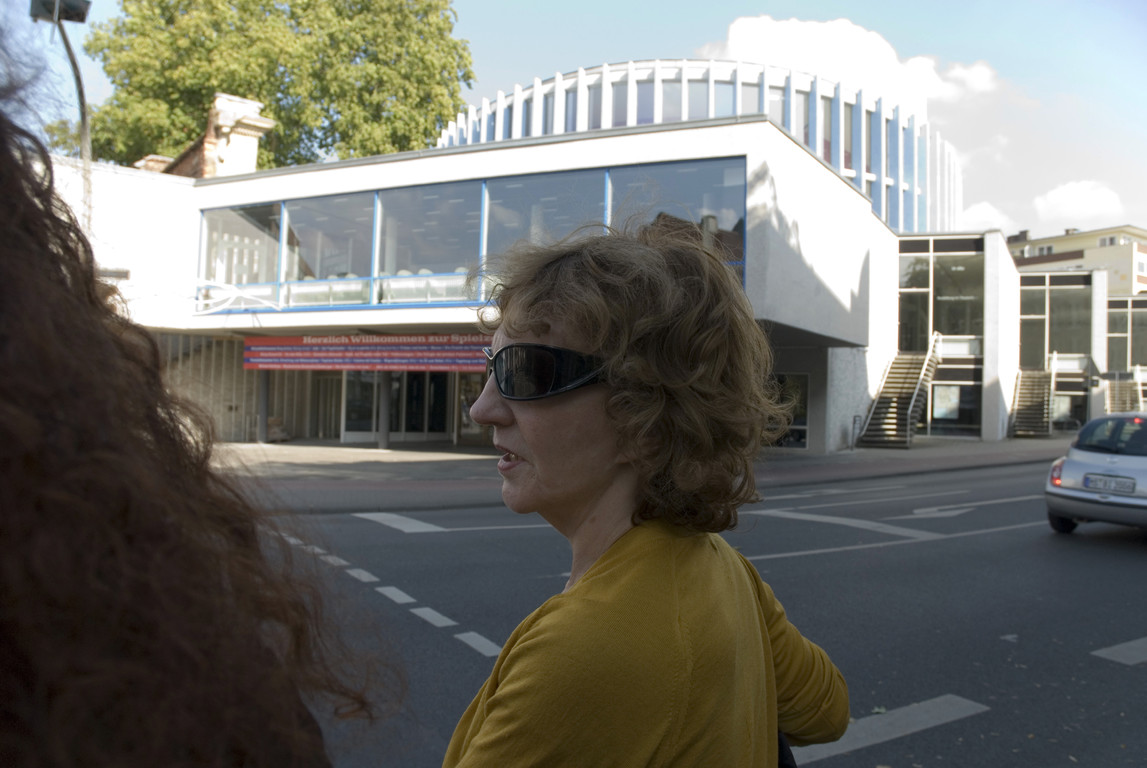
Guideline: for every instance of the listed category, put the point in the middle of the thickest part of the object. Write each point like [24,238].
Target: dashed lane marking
[867,525]
[1130,653]
[400,522]
[894,724]
[364,576]
[395,594]
[434,617]
[334,560]
[479,643]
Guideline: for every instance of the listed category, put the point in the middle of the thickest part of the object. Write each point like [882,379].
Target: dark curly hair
[147,618]
[687,365]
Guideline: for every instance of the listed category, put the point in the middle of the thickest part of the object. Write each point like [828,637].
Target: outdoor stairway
[1033,396]
[1124,395]
[903,395]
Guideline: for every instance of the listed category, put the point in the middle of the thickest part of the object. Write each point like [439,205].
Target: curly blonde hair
[687,365]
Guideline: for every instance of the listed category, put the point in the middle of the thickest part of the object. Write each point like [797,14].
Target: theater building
[334,301]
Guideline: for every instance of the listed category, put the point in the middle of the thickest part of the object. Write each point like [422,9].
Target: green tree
[343,78]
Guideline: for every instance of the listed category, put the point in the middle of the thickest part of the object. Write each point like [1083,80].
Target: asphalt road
[970,633]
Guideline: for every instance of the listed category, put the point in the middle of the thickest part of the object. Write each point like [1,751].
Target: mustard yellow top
[669,651]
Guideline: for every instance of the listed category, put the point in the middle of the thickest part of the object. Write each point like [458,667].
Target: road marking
[434,617]
[898,542]
[1130,653]
[480,644]
[363,576]
[395,594]
[876,729]
[953,510]
[400,522]
[830,492]
[291,540]
[499,527]
[867,525]
[862,502]
[311,548]
[334,560]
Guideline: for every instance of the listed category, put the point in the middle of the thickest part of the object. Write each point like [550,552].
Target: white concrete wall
[1001,337]
[813,243]
[144,222]
[1097,396]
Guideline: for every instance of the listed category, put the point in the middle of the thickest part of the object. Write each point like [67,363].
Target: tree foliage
[343,78]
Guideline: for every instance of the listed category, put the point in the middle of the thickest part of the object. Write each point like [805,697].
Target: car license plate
[1109,483]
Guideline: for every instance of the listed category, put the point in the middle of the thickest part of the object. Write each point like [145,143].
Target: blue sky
[1052,133]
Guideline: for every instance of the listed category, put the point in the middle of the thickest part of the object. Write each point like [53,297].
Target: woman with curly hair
[628,398]
[143,619]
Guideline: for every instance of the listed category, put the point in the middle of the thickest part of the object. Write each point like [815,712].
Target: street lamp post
[57,12]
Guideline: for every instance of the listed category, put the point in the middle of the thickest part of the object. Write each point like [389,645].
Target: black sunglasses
[533,371]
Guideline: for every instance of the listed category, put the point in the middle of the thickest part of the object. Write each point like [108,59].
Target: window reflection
[242,249]
[709,193]
[329,237]
[542,208]
[431,229]
[958,285]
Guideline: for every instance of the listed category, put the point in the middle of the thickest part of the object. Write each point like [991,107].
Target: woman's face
[560,454]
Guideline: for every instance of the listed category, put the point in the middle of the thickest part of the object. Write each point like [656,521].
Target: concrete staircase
[893,417]
[1032,416]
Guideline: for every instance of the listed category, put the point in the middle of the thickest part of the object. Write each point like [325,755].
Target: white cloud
[847,53]
[984,216]
[1085,202]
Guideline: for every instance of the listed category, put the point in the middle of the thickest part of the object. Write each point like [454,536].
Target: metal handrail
[1051,391]
[933,345]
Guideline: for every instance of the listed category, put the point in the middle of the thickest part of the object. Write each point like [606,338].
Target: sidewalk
[304,475]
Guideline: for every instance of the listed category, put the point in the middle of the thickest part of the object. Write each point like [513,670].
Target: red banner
[460,352]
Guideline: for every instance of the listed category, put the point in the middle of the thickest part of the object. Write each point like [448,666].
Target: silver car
[1103,477]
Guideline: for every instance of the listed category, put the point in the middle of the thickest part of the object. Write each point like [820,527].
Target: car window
[1120,435]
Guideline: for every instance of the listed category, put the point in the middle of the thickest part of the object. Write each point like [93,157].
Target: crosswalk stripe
[876,729]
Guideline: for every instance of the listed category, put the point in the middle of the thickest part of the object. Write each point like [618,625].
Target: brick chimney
[229,146]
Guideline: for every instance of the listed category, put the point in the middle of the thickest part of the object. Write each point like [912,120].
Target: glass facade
[418,244]
[542,207]
[711,193]
[671,101]
[698,100]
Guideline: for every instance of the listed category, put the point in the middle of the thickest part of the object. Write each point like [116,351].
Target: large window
[418,244]
[800,116]
[846,135]
[243,245]
[429,230]
[543,207]
[329,237]
[698,99]
[1069,320]
[670,101]
[710,193]
[826,128]
[958,290]
[620,114]
[776,105]
[644,102]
